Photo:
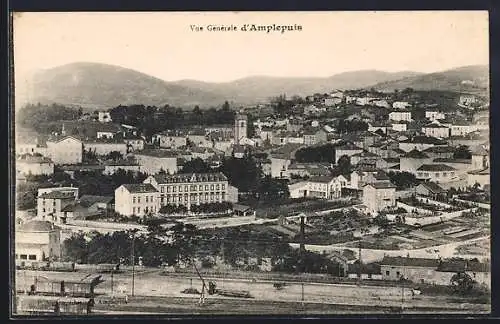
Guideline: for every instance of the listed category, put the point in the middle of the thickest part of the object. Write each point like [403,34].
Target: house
[374,127]
[348,149]
[478,271]
[37,241]
[51,201]
[111,167]
[153,161]
[337,94]
[420,143]
[136,199]
[243,210]
[440,152]
[434,115]
[399,127]
[310,136]
[314,110]
[279,165]
[205,153]
[225,132]
[104,117]
[400,104]
[34,164]
[435,129]
[107,130]
[381,103]
[480,177]
[462,128]
[239,151]
[189,189]
[480,157]
[355,158]
[105,146]
[65,150]
[435,172]
[170,139]
[306,170]
[430,189]
[323,187]
[365,175]
[329,102]
[366,271]
[400,116]
[344,180]
[418,270]
[467,100]
[363,101]
[379,196]
[412,160]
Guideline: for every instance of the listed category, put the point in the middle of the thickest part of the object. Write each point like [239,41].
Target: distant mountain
[260,88]
[93,86]
[98,86]
[473,78]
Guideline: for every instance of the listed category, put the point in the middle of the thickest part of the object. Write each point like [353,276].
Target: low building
[126,165]
[136,199]
[170,139]
[104,117]
[153,161]
[349,150]
[480,177]
[134,143]
[412,160]
[399,127]
[105,146]
[437,130]
[400,116]
[434,115]
[306,170]
[478,271]
[401,105]
[34,164]
[323,187]
[379,196]
[418,270]
[279,166]
[430,189]
[37,241]
[440,152]
[438,173]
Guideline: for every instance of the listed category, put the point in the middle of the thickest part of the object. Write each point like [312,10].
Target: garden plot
[466,233]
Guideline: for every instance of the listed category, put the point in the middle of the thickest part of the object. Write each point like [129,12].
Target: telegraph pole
[133,264]
[360,263]
[301,254]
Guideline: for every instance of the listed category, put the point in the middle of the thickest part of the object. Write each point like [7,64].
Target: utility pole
[360,263]
[133,264]
[112,271]
[403,287]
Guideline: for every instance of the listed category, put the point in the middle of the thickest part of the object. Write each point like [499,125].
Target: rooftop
[140,187]
[416,154]
[89,200]
[462,266]
[33,158]
[58,195]
[440,149]
[190,177]
[432,187]
[445,160]
[322,179]
[435,167]
[409,262]
[381,185]
[38,226]
[159,153]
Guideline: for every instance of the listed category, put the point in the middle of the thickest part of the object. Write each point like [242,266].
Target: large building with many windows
[189,189]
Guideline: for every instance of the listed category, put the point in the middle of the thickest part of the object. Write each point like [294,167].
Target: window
[186,188]
[24,257]
[206,187]
[217,187]
[180,188]
[139,199]
[138,210]
[147,200]
[223,186]
[397,273]
[133,199]
[200,187]
[133,210]
[162,189]
[387,273]
[44,210]
[437,174]
[17,256]
[54,203]
[32,257]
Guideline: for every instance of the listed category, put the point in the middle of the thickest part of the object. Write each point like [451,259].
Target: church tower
[240,128]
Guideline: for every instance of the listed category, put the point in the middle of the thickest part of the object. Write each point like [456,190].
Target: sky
[163,44]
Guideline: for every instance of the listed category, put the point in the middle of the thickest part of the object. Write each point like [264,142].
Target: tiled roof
[435,167]
[190,177]
[323,179]
[139,187]
[445,160]
[440,149]
[410,262]
[89,200]
[462,266]
[58,195]
[432,187]
[158,153]
[416,154]
[33,158]
[38,226]
[425,140]
[433,125]
[381,185]
[365,154]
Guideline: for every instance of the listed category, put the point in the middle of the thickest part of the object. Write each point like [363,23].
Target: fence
[106,225]
[411,209]
[474,203]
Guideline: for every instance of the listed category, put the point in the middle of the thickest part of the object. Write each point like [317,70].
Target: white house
[35,164]
[170,140]
[434,115]
[435,129]
[104,117]
[401,104]
[37,241]
[439,173]
[65,150]
[324,187]
[153,161]
[136,199]
[51,202]
[379,196]
[349,149]
[400,116]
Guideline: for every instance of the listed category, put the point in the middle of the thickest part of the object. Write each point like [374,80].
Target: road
[151,283]
[372,255]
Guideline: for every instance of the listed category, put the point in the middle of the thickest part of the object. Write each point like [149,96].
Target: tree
[76,248]
[462,283]
[344,165]
[185,241]
[196,166]
[403,180]
[462,152]
[115,156]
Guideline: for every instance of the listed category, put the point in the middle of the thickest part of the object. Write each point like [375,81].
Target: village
[388,186]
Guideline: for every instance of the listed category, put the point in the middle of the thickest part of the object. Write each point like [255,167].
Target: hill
[93,86]
[98,86]
[260,88]
[467,79]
